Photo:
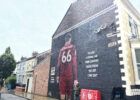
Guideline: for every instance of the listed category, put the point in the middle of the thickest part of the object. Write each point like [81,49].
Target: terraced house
[28,79]
[41,74]
[20,70]
[106,36]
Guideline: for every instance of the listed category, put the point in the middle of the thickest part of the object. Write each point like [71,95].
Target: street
[7,96]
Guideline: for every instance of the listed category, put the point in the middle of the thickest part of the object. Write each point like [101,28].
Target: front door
[27,85]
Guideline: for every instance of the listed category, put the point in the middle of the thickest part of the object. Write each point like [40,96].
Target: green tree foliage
[7,64]
[12,81]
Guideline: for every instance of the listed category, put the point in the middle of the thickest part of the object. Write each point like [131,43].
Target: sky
[28,25]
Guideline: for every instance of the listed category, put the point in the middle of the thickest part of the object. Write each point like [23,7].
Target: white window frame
[133,27]
[137,79]
[28,66]
[33,64]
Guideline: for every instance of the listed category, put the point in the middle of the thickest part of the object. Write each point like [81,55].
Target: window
[33,63]
[22,78]
[137,54]
[133,27]
[136,62]
[28,65]
[18,67]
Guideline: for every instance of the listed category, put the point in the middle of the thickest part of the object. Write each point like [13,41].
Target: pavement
[32,96]
[3,90]
[14,95]
[6,96]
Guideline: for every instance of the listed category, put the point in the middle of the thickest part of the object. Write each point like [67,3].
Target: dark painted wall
[81,10]
[105,72]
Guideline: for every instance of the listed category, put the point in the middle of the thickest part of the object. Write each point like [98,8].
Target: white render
[19,71]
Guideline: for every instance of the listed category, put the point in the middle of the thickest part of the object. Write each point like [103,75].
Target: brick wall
[40,78]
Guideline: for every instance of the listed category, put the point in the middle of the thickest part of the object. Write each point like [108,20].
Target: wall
[124,11]
[104,56]
[30,64]
[96,43]
[20,70]
[40,77]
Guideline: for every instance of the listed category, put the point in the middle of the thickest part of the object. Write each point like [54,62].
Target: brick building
[41,74]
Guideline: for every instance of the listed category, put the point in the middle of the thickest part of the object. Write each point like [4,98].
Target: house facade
[20,70]
[105,34]
[28,79]
[41,74]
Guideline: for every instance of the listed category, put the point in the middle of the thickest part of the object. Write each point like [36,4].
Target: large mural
[87,54]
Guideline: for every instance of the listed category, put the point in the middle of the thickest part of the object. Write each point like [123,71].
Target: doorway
[27,85]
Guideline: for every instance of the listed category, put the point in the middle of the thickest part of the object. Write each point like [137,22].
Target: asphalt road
[7,96]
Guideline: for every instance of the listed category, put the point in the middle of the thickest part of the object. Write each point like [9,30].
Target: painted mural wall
[96,47]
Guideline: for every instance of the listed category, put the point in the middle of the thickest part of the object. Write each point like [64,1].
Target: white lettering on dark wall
[111,44]
[92,70]
[91,64]
[52,71]
[91,61]
[92,75]
[52,79]
[92,52]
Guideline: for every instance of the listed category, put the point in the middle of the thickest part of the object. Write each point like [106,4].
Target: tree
[7,64]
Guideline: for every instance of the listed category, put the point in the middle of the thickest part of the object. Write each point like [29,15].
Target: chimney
[34,53]
[73,1]
[23,58]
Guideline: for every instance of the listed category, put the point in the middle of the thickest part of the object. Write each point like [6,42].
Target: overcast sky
[28,25]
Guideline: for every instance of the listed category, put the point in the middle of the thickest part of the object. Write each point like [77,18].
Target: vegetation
[11,80]
[7,64]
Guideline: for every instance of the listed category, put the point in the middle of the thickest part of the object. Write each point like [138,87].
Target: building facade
[19,71]
[41,74]
[105,34]
[129,22]
[28,79]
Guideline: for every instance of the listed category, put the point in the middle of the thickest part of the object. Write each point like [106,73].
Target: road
[7,96]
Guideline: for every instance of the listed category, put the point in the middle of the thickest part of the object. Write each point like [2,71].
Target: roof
[79,11]
[45,52]
[45,59]
[40,54]
[21,61]
[31,58]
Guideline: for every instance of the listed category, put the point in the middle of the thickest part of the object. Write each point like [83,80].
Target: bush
[11,80]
